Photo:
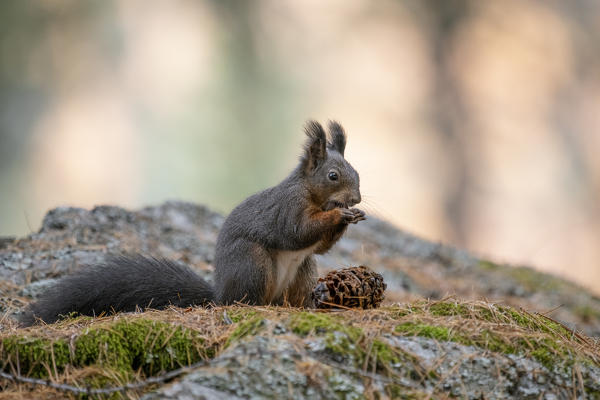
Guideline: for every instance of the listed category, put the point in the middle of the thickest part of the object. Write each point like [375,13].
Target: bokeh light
[473,123]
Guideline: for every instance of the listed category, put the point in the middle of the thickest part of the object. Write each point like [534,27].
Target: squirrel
[264,251]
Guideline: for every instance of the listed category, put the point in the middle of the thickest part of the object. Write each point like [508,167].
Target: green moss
[304,323]
[485,312]
[248,322]
[545,357]
[534,280]
[384,353]
[105,377]
[249,326]
[240,314]
[440,333]
[385,356]
[487,265]
[528,277]
[124,346]
[519,318]
[547,351]
[587,313]
[534,322]
[443,309]
[339,338]
[35,357]
[339,344]
[492,342]
[345,341]
[150,345]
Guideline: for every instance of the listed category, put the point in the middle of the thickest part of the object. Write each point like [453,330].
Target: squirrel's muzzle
[355,199]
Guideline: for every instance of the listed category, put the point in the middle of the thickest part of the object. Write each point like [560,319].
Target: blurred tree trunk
[444,17]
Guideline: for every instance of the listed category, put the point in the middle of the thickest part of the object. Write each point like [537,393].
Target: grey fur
[338,137]
[121,283]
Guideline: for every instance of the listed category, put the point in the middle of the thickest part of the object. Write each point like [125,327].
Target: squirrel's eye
[333,176]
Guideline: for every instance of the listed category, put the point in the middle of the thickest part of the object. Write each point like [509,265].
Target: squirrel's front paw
[359,215]
[352,215]
[347,215]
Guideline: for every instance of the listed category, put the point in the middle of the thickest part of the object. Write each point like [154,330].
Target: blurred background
[472,123]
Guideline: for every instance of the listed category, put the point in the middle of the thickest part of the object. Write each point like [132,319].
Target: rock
[268,366]
[35,289]
[263,367]
[73,237]
[421,349]
[425,348]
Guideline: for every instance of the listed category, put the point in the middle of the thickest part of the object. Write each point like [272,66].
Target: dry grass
[493,327]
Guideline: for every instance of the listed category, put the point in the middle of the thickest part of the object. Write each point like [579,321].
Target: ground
[453,325]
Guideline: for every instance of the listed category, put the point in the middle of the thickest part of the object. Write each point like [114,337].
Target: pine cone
[356,287]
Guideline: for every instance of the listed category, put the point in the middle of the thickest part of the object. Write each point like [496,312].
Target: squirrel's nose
[355,199]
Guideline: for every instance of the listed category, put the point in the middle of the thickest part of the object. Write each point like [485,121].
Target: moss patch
[250,325]
[529,278]
[304,323]
[496,328]
[440,333]
[385,356]
[500,329]
[347,342]
[447,308]
[125,347]
[488,265]
[479,311]
[544,349]
[36,357]
[340,338]
[120,349]
[239,314]
[587,312]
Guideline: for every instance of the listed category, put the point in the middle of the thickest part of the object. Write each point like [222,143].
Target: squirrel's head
[330,179]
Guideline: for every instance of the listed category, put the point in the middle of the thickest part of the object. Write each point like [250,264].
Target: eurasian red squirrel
[264,251]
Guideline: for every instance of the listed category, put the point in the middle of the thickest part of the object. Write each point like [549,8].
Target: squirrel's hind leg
[245,274]
[299,292]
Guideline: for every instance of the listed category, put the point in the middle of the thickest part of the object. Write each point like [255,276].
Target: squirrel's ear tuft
[315,150]
[338,137]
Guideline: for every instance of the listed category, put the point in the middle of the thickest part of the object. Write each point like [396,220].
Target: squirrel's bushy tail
[121,283]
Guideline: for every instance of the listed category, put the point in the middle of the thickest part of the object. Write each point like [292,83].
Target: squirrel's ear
[338,137]
[315,150]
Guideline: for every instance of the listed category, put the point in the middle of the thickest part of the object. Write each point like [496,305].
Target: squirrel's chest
[286,267]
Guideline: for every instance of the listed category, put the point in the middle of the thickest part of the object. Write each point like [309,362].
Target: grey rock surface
[275,367]
[71,238]
[263,368]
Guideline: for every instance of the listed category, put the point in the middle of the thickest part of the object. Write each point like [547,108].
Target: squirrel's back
[121,283]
